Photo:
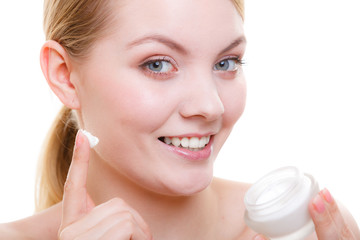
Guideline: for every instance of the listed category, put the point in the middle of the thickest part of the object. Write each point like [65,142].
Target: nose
[202,100]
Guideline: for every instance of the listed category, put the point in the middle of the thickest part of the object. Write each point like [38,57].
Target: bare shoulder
[230,191]
[230,195]
[8,232]
[40,226]
[15,230]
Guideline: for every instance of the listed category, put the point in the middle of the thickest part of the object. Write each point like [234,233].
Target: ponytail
[76,25]
[55,160]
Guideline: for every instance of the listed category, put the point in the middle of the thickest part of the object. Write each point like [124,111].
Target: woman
[145,79]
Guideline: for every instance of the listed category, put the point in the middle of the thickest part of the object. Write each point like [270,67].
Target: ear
[56,67]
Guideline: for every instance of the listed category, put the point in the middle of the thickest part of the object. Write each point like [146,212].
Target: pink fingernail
[318,204]
[327,196]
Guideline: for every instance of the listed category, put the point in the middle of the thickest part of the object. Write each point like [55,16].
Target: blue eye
[159,66]
[230,64]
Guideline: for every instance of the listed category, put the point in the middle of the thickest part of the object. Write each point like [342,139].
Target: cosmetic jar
[277,204]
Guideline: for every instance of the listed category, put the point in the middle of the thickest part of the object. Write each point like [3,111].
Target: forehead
[192,22]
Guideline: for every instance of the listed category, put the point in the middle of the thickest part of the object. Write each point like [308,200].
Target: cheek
[126,102]
[234,101]
[142,107]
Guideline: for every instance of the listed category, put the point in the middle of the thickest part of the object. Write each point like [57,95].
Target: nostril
[205,104]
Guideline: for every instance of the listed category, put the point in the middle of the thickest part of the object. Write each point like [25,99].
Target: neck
[158,210]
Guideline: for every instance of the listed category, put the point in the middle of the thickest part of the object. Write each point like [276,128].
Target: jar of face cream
[277,204]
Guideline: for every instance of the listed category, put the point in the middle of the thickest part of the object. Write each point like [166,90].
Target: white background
[303,108]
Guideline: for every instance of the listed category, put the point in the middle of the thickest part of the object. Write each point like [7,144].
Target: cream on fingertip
[93,141]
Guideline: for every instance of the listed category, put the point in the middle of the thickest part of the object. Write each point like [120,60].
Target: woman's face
[169,72]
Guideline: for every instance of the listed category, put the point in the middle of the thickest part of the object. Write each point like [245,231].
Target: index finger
[75,198]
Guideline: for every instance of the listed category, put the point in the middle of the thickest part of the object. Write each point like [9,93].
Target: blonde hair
[76,25]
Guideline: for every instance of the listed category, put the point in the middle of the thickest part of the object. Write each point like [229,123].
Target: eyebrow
[237,42]
[161,39]
[176,46]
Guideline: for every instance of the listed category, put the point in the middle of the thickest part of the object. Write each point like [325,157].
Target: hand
[328,219]
[81,219]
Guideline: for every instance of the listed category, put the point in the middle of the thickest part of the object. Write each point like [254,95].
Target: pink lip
[193,135]
[192,155]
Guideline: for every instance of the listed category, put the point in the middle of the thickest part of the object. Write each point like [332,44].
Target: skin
[131,185]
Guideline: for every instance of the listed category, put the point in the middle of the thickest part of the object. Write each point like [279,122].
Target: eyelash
[145,66]
[238,61]
[164,75]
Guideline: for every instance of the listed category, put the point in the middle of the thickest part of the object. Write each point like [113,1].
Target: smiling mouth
[192,143]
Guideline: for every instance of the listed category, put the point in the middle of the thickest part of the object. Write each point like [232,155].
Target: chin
[188,185]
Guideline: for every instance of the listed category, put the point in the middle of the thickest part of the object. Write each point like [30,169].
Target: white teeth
[167,140]
[176,142]
[193,143]
[185,142]
[203,141]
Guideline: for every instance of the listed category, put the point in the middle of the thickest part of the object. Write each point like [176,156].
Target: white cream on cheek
[93,141]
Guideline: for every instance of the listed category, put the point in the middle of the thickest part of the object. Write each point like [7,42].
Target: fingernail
[318,204]
[327,196]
